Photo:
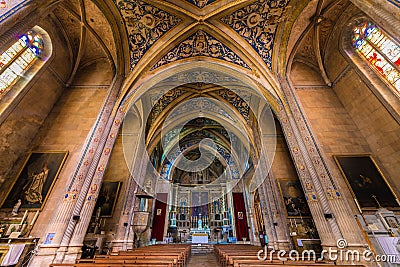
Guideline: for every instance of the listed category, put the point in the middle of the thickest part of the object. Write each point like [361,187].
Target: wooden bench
[155,256]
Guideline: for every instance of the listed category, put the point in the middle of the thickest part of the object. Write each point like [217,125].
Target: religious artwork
[16,227]
[199,203]
[293,197]
[159,211]
[107,198]
[240,215]
[35,180]
[9,227]
[49,238]
[16,207]
[392,221]
[201,44]
[366,182]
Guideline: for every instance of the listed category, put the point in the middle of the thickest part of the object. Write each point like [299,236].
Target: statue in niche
[97,221]
[16,207]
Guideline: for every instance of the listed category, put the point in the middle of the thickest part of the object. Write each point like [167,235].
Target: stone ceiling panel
[71,26]
[100,25]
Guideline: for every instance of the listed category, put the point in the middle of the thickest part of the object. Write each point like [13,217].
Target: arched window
[381,52]
[17,59]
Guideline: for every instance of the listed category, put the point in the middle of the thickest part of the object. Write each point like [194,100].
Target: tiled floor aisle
[208,260]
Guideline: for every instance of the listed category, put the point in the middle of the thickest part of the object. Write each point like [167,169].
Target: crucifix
[376,199]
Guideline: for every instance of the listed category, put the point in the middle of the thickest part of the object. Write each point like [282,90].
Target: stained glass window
[381,52]
[17,59]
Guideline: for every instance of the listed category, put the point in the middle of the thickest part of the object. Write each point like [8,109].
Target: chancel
[199,132]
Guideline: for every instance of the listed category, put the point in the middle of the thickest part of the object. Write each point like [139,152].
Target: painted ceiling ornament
[395,2]
[257,24]
[145,24]
[201,3]
[201,44]
[200,76]
[238,102]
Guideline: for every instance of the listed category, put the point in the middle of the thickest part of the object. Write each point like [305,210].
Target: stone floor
[208,259]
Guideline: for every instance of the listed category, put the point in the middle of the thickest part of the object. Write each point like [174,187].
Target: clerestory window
[18,58]
[382,53]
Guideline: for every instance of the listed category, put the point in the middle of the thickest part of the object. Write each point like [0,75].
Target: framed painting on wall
[366,182]
[294,198]
[107,198]
[35,180]
[392,222]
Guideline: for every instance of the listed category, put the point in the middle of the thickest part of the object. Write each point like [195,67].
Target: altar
[200,236]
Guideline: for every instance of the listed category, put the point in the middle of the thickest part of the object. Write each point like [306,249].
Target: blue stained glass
[18,58]
[382,54]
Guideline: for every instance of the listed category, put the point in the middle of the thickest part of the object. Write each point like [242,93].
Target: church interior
[199,128]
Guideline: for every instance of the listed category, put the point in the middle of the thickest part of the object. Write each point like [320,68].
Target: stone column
[63,216]
[253,238]
[124,236]
[323,195]
[85,205]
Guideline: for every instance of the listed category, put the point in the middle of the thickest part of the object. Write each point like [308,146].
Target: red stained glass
[379,50]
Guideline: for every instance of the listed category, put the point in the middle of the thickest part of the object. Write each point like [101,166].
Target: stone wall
[376,124]
[378,127]
[348,119]
[27,114]
[333,129]
[117,171]
[66,128]
[282,166]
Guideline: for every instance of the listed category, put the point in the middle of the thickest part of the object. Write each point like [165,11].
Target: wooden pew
[154,256]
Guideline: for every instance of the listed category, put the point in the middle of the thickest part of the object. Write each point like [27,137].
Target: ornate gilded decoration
[395,2]
[236,101]
[201,76]
[201,3]
[201,44]
[257,24]
[145,25]
[160,103]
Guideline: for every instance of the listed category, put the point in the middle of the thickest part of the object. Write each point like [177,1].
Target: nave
[233,255]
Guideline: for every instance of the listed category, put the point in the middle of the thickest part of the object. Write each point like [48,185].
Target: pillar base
[45,255]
